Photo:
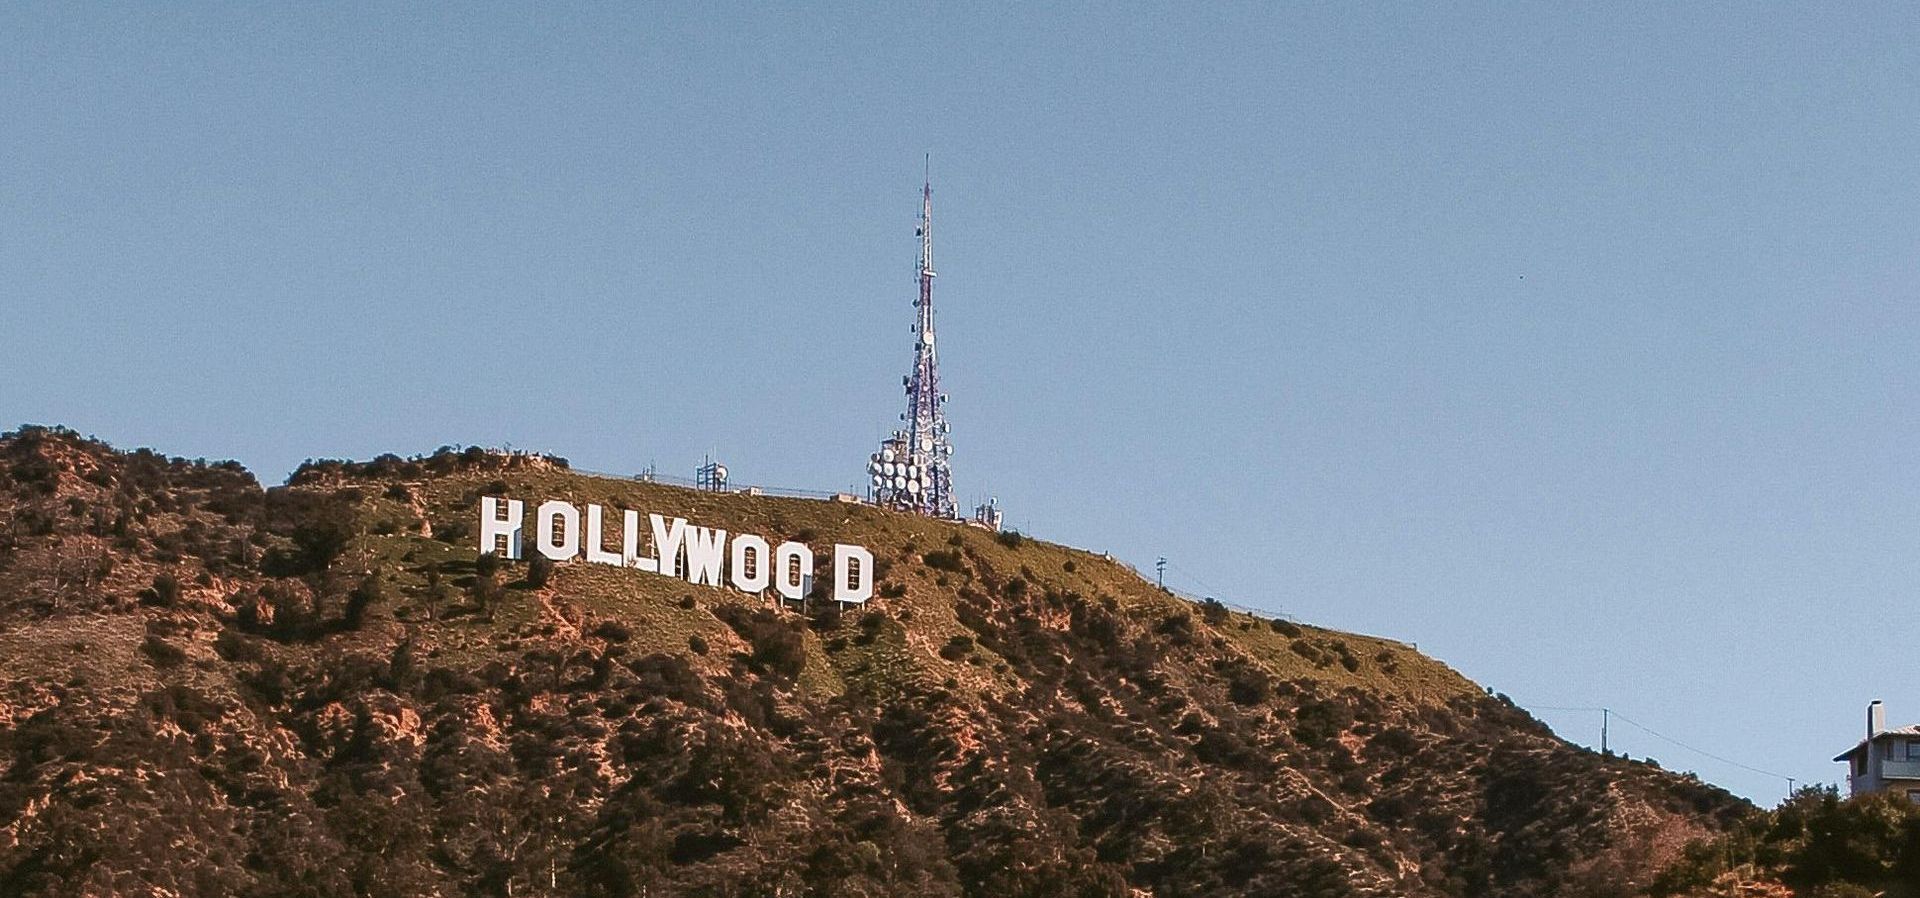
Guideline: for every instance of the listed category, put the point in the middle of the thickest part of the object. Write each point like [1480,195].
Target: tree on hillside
[1816,843]
[539,571]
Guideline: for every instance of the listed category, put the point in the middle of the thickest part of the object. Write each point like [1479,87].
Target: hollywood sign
[703,555]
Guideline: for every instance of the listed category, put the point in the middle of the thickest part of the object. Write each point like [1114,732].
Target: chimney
[1876,719]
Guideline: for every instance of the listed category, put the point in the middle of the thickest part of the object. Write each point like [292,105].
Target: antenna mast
[912,472]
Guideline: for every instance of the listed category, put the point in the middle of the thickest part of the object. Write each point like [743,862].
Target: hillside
[207,688]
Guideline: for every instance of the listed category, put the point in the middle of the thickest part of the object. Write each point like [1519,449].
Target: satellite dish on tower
[911,471]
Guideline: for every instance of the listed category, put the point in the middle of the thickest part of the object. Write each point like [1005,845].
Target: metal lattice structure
[912,471]
[710,476]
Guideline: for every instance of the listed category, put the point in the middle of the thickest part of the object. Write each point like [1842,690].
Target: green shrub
[1306,650]
[539,571]
[956,648]
[365,595]
[611,631]
[777,645]
[162,653]
[1249,686]
[1177,627]
[1213,612]
[944,561]
[165,592]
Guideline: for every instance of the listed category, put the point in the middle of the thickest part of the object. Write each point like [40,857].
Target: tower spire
[912,470]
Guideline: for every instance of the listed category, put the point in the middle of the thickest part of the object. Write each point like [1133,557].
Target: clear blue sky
[1576,343]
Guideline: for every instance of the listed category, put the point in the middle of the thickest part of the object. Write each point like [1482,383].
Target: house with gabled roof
[1888,760]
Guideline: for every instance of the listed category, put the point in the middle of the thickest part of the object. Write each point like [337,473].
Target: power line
[1700,751]
[1196,580]
[1610,713]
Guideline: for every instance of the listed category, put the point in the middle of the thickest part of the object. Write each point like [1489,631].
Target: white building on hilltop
[1885,761]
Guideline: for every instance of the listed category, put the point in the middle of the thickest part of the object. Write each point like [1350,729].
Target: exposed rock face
[210,689]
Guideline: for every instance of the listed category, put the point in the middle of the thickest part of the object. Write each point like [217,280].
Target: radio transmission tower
[912,472]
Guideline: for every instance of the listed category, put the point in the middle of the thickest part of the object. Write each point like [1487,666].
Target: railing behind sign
[738,488]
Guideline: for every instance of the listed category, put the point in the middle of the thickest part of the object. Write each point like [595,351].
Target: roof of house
[1896,731]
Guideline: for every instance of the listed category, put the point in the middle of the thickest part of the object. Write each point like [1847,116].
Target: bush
[1012,539]
[1306,650]
[824,617]
[455,532]
[233,645]
[1177,627]
[1285,628]
[777,644]
[1213,612]
[365,595]
[1394,742]
[324,528]
[539,571]
[486,589]
[1347,658]
[165,592]
[696,644]
[611,631]
[956,648]
[162,652]
[1249,686]
[941,560]
[290,610]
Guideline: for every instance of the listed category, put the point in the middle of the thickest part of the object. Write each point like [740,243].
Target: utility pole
[1606,717]
[1160,571]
